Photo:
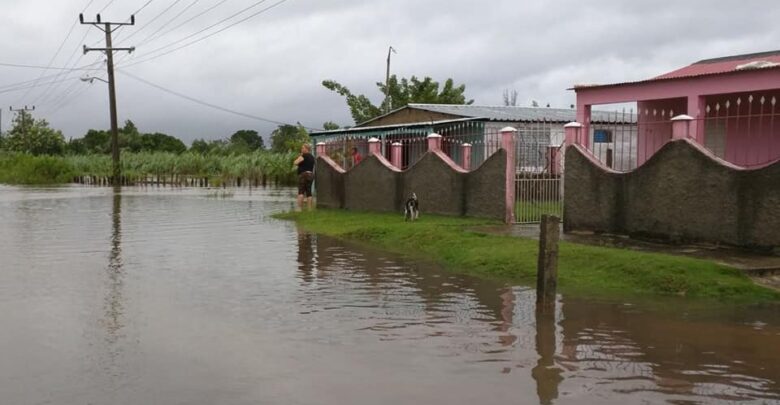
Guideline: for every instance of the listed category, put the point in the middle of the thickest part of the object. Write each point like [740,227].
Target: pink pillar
[696,106]
[396,154]
[572,132]
[681,127]
[466,153]
[583,117]
[434,142]
[320,149]
[554,160]
[374,147]
[508,144]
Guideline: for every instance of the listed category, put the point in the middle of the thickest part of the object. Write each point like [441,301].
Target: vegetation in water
[583,269]
[33,153]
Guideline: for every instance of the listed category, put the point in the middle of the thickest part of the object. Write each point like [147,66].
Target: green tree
[96,141]
[330,125]
[158,142]
[250,138]
[34,136]
[399,94]
[287,138]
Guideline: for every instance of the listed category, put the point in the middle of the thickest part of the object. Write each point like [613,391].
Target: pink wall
[654,125]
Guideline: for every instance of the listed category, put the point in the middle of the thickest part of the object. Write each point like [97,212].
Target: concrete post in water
[434,142]
[320,149]
[571,133]
[680,126]
[374,147]
[396,155]
[547,268]
[508,144]
[466,153]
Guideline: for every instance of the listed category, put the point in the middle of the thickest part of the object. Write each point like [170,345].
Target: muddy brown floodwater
[160,296]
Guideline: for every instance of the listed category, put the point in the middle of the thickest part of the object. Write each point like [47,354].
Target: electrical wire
[160,14]
[209,35]
[16,65]
[148,40]
[207,104]
[59,49]
[142,7]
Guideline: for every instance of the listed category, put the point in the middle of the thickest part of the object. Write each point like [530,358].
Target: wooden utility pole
[20,111]
[388,100]
[108,28]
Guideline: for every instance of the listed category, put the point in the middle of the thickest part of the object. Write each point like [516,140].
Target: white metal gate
[538,171]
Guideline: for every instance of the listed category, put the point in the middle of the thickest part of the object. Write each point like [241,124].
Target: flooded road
[199,297]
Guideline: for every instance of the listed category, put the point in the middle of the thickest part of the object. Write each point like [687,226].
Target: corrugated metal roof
[721,65]
[387,127]
[514,113]
[709,67]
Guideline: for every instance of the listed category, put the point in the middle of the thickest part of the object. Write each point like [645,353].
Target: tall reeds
[152,168]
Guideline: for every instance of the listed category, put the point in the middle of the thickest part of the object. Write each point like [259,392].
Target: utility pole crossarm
[88,49]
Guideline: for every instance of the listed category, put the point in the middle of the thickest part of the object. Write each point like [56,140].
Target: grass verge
[583,270]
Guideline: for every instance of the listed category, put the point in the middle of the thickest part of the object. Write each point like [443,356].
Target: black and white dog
[411,208]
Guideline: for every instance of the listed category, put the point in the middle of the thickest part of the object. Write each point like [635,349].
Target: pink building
[730,102]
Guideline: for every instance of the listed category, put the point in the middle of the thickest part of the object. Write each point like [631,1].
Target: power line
[106,6]
[153,19]
[17,65]
[188,20]
[51,61]
[184,10]
[142,7]
[204,103]
[148,39]
[25,87]
[209,35]
[44,95]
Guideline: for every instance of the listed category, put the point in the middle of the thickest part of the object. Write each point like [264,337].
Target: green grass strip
[583,270]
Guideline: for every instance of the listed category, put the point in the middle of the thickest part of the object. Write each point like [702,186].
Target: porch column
[320,149]
[434,142]
[572,133]
[466,153]
[508,144]
[681,127]
[374,147]
[583,117]
[396,155]
[696,106]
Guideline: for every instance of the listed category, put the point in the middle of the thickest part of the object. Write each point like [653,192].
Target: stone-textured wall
[441,187]
[372,186]
[487,188]
[681,193]
[329,183]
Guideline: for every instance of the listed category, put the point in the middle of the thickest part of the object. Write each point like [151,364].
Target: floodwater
[160,296]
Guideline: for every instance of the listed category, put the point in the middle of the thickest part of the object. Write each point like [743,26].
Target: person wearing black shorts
[305,163]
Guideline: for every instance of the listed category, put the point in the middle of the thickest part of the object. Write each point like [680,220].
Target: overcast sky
[272,64]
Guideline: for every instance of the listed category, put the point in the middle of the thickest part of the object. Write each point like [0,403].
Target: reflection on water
[170,296]
[581,348]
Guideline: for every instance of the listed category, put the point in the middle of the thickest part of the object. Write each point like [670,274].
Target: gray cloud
[272,65]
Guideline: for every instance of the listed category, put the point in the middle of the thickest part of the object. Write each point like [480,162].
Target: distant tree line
[34,136]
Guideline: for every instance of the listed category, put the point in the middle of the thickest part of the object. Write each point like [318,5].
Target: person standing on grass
[305,163]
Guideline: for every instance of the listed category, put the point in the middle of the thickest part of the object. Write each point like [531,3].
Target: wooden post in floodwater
[547,268]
